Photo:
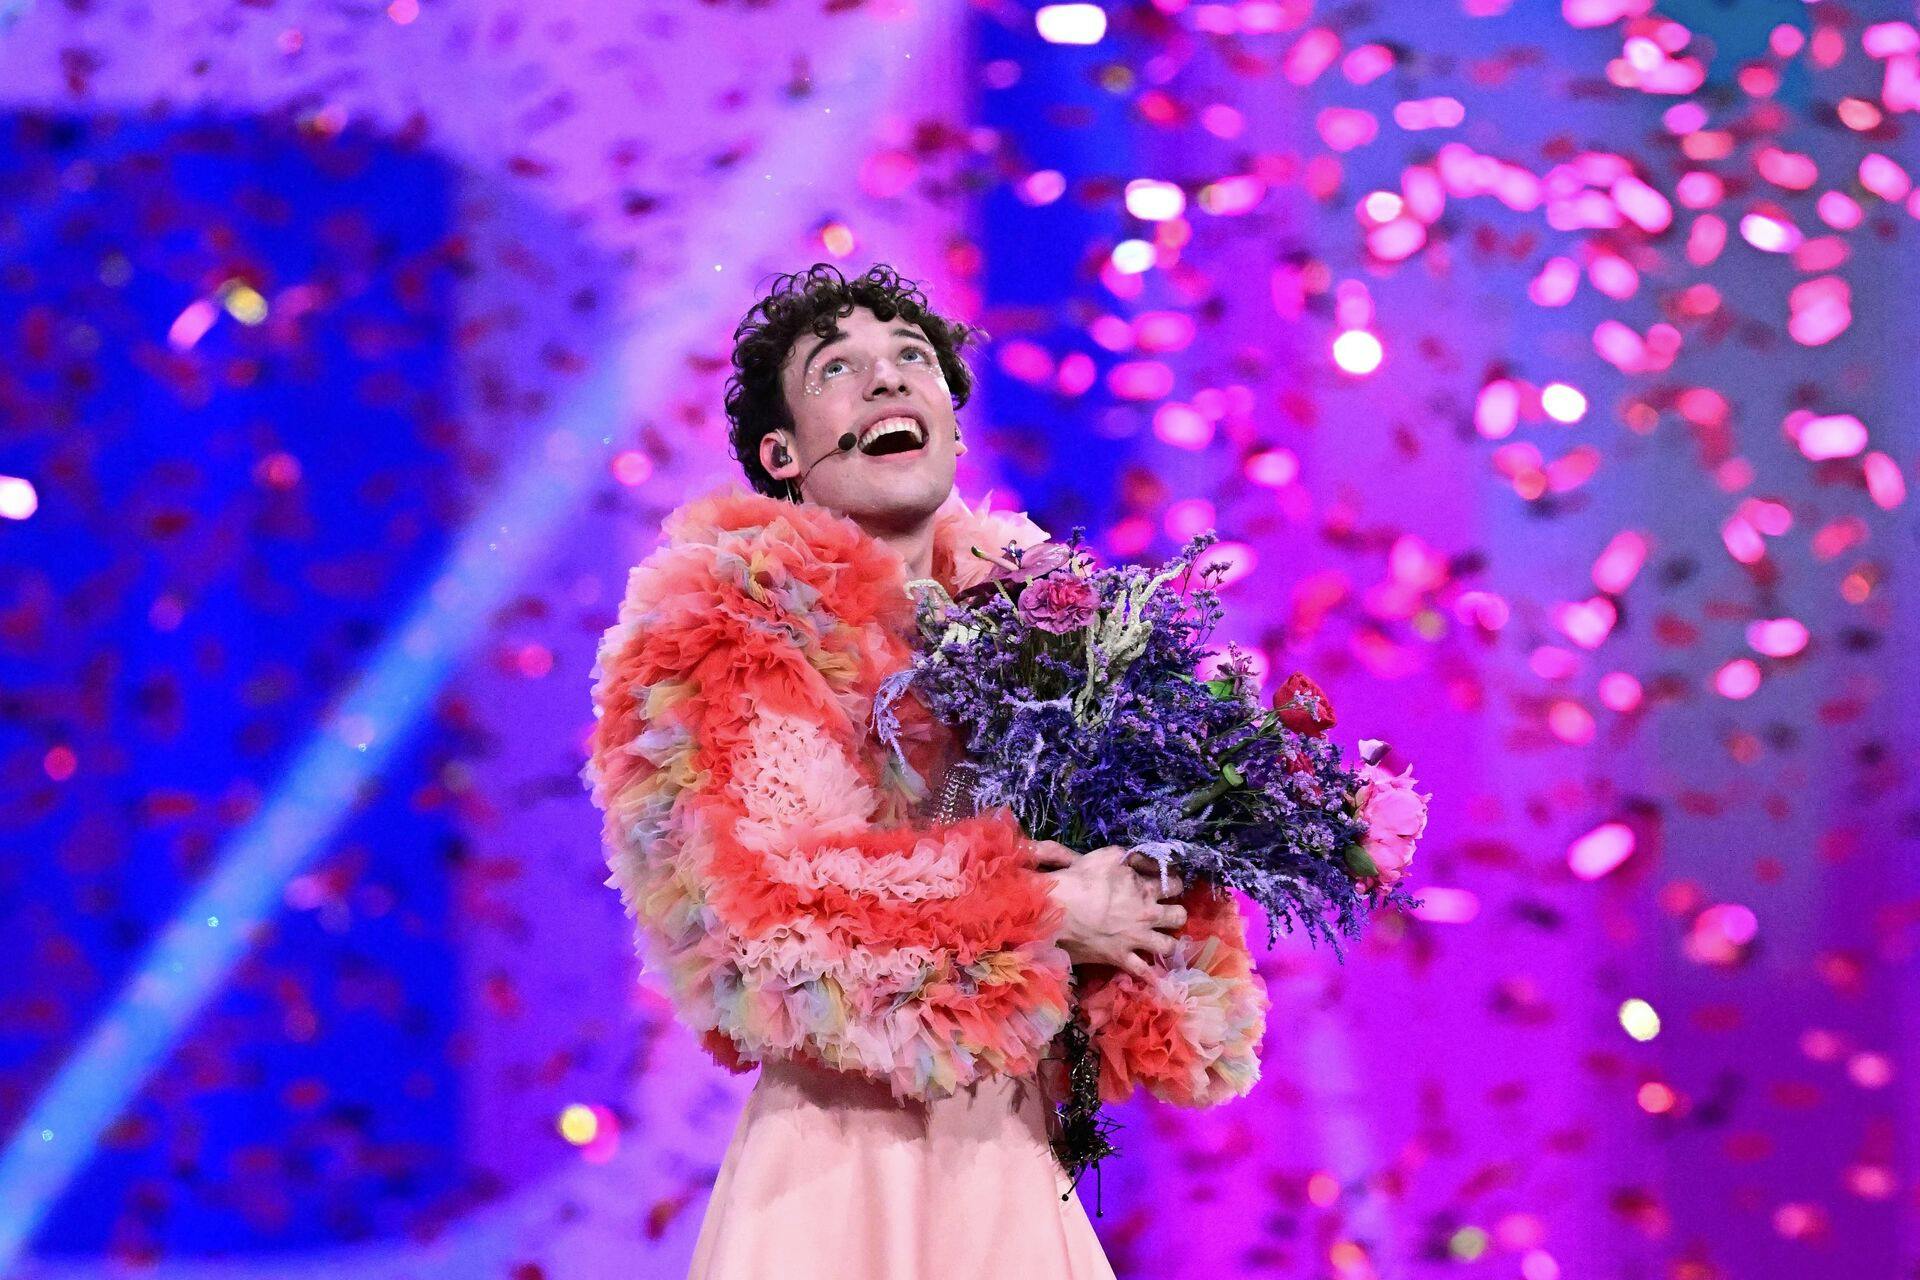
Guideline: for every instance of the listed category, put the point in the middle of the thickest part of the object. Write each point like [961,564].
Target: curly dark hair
[811,301]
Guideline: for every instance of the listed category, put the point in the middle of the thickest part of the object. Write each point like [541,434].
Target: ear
[770,446]
[959,442]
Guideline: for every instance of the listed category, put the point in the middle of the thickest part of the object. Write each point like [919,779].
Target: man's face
[881,380]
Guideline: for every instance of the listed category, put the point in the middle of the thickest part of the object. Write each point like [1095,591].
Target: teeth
[887,426]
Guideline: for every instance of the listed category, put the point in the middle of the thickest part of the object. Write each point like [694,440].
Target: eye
[918,353]
[826,370]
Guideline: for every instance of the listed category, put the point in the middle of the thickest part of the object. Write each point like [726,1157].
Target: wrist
[1065,936]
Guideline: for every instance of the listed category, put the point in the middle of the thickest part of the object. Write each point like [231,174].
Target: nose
[886,378]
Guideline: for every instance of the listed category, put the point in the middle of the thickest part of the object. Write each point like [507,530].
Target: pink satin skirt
[828,1177]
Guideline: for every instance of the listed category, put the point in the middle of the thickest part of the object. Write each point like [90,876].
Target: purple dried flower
[1195,767]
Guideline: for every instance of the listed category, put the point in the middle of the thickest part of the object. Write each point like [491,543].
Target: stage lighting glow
[1871,1181]
[1181,427]
[1429,113]
[1496,411]
[1223,121]
[1777,637]
[192,324]
[1641,205]
[1770,232]
[1619,691]
[1447,906]
[1601,850]
[1742,540]
[1586,622]
[1819,310]
[1358,352]
[1563,403]
[1381,206]
[243,302]
[1639,1020]
[1655,1099]
[1890,40]
[1236,559]
[1870,1070]
[632,467]
[1720,934]
[1482,609]
[278,470]
[1396,241]
[1346,128]
[1884,178]
[578,1124]
[837,239]
[1272,468]
[1153,201]
[1538,1264]
[1349,1260]
[1043,187]
[59,763]
[1468,1243]
[1140,380]
[1620,562]
[1839,210]
[1163,331]
[1187,517]
[1131,257]
[1885,485]
[1231,196]
[1552,662]
[1077,372]
[18,498]
[1738,679]
[1070,23]
[1570,722]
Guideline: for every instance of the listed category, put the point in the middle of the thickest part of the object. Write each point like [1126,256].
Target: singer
[896,965]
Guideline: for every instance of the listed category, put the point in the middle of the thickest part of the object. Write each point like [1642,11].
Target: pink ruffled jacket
[769,848]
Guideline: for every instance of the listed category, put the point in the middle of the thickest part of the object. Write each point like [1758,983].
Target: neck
[913,543]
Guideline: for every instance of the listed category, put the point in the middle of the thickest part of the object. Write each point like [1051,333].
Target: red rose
[1302,707]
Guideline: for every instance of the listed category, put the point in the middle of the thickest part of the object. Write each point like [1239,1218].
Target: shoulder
[742,553]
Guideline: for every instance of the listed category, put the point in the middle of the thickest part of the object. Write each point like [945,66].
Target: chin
[897,501]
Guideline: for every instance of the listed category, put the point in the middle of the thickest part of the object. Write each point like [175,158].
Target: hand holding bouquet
[1092,706]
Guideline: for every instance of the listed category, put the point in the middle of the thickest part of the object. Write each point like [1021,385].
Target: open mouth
[899,434]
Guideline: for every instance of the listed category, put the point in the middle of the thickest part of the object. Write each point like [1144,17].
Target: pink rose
[1059,604]
[1395,815]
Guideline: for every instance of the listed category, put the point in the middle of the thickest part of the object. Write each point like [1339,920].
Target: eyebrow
[839,335]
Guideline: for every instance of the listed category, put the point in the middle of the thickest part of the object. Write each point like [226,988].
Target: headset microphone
[846,441]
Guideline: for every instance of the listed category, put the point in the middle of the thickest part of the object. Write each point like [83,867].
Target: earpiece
[781,457]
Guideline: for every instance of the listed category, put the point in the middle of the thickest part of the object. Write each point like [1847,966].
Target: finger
[1052,855]
[1145,865]
[1157,946]
[1175,888]
[1172,918]
[1137,967]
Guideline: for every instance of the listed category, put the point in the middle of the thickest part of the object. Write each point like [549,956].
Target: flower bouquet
[1092,705]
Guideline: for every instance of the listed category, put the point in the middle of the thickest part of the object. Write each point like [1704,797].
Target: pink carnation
[1395,815]
[1059,604]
